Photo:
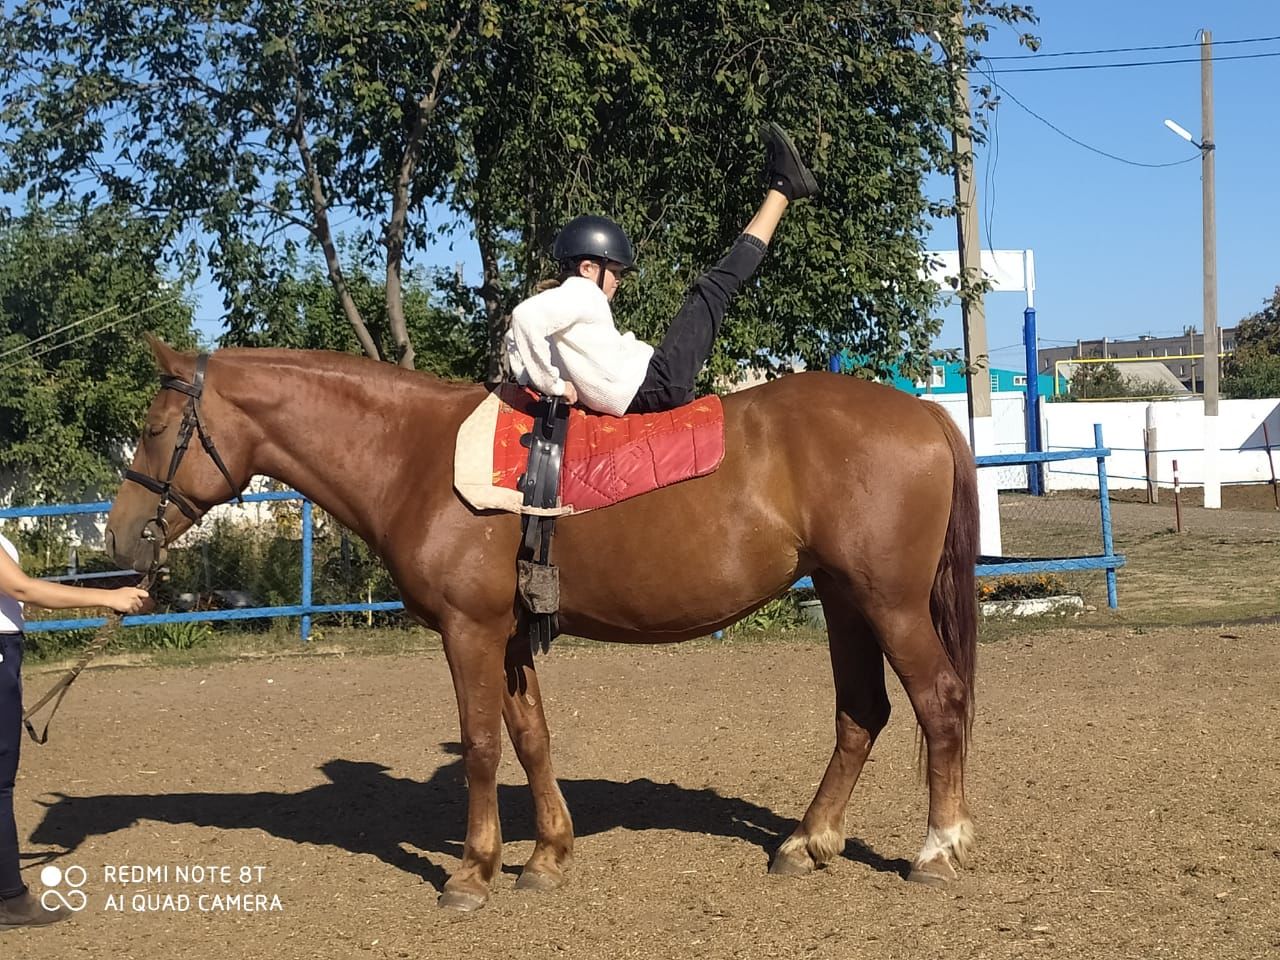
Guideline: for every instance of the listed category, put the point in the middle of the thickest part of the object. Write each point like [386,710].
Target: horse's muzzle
[147,553]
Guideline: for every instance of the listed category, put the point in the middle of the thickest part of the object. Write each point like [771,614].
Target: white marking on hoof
[792,858]
[825,844]
[944,849]
[795,845]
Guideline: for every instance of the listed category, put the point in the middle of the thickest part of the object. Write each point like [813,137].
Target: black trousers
[675,364]
[10,744]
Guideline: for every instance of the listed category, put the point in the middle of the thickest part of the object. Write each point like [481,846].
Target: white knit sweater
[567,333]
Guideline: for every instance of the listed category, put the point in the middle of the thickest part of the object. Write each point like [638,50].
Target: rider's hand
[129,600]
[570,393]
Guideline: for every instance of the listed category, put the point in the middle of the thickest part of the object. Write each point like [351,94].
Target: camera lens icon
[64,888]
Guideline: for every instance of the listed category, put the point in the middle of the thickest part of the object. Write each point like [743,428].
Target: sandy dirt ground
[1124,784]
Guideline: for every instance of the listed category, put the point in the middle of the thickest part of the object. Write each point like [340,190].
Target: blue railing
[1108,560]
[304,609]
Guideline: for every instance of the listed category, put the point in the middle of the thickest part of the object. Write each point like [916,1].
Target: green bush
[1028,587]
[781,614]
[165,636]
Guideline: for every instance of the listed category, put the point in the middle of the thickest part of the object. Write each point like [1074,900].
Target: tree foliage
[70,400]
[1253,370]
[305,312]
[261,121]
[1105,381]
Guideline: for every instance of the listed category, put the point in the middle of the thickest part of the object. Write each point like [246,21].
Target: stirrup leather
[537,578]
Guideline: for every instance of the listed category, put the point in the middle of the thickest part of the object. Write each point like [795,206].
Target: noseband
[191,421]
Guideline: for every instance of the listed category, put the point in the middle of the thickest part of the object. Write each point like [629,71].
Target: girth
[537,578]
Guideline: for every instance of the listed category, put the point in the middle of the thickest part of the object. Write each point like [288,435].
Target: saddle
[535,456]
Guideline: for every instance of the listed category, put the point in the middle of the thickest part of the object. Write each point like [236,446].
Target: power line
[51,333]
[92,333]
[1162,46]
[40,353]
[1134,63]
[1058,130]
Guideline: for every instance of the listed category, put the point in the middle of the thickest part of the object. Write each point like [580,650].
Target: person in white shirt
[563,341]
[17,907]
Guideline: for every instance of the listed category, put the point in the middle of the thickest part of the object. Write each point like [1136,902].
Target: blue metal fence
[305,609]
[1108,560]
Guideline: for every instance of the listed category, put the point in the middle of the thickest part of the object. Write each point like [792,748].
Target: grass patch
[1222,568]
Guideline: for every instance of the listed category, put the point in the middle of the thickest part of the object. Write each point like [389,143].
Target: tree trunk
[495,311]
[394,237]
[324,236]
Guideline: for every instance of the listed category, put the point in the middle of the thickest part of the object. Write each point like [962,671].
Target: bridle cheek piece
[156,528]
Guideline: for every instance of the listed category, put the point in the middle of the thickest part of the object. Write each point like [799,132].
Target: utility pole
[1212,482]
[972,311]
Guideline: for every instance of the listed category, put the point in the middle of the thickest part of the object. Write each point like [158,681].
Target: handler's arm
[57,596]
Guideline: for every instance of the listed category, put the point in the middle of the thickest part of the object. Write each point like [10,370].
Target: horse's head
[177,473]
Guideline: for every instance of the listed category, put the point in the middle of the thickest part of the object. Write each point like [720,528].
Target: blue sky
[1118,247]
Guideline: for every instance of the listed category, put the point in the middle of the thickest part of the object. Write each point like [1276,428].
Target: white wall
[1179,436]
[1007,417]
[1179,428]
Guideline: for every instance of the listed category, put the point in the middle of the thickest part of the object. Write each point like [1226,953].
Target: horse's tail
[954,600]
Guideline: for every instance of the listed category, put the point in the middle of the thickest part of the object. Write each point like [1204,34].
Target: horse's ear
[166,357]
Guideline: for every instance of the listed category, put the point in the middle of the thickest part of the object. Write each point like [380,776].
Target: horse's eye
[155,429]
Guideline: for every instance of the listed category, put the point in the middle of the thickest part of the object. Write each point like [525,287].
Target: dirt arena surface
[1124,785]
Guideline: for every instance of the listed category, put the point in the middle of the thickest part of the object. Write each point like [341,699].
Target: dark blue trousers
[676,361]
[10,745]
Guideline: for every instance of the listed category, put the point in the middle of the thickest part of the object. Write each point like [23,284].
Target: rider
[563,341]
[18,908]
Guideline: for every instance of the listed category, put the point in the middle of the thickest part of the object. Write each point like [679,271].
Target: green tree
[1253,369]
[70,400]
[1105,381]
[304,311]
[1093,381]
[426,122]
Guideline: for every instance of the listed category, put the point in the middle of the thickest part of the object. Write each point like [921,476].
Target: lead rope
[59,690]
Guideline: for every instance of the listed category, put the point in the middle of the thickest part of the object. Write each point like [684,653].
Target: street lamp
[1183,132]
[1209,248]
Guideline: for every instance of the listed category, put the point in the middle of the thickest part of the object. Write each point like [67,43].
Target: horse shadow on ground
[364,810]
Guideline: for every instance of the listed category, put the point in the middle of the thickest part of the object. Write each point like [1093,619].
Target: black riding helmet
[593,238]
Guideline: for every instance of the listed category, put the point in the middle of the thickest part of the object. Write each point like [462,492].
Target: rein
[59,690]
[155,529]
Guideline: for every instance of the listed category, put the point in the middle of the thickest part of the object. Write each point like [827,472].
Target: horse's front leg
[475,658]
[527,726]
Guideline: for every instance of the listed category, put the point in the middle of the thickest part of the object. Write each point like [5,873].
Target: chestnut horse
[869,490]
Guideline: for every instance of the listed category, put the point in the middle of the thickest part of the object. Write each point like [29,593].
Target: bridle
[156,528]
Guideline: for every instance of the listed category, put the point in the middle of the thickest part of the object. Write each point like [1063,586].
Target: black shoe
[784,171]
[24,910]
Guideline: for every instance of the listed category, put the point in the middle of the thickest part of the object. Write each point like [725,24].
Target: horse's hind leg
[940,700]
[527,726]
[862,710]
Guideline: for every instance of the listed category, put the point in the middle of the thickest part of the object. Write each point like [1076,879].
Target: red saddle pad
[609,459]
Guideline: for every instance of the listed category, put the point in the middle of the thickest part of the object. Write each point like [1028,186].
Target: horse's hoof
[539,882]
[795,863]
[936,873]
[461,901]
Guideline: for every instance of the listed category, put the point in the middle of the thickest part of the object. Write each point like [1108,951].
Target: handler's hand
[129,600]
[570,393]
